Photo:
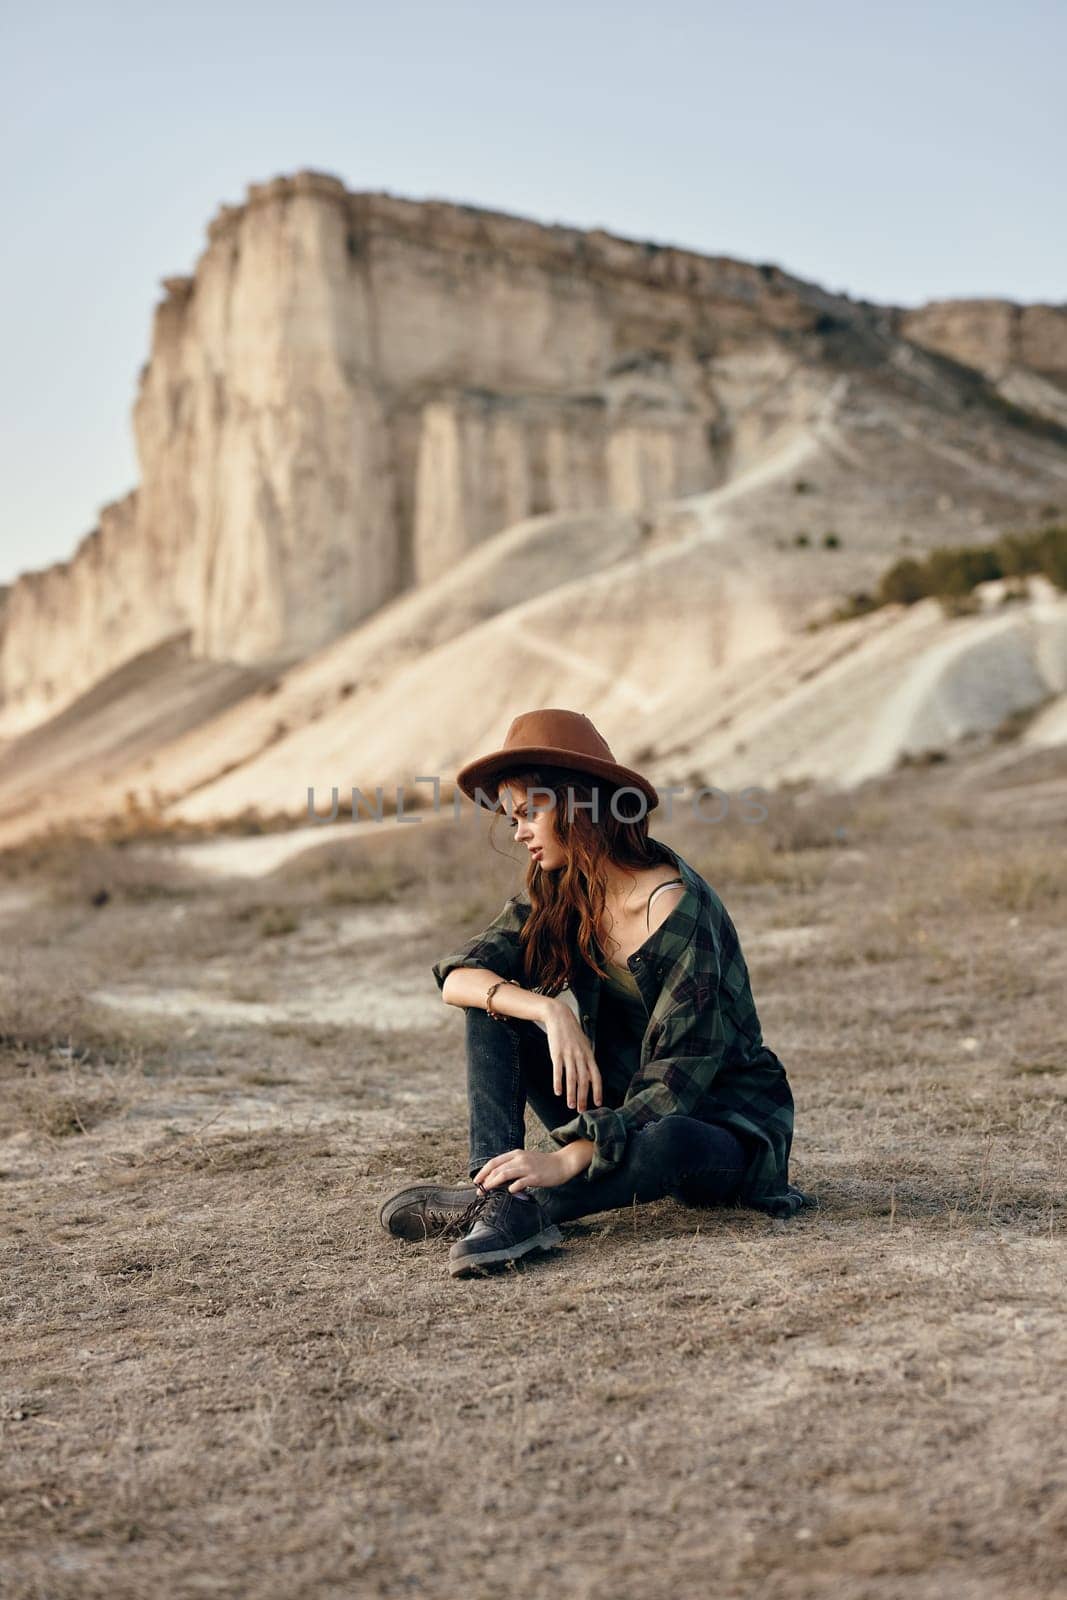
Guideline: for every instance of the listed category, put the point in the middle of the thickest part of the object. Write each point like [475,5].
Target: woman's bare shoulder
[660,901]
[650,878]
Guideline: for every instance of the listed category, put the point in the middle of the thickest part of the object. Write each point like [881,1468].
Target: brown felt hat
[561,738]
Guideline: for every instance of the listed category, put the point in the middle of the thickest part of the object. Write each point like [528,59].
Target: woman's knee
[676,1139]
[489,1040]
[478,1020]
[685,1145]
[706,1162]
[512,1043]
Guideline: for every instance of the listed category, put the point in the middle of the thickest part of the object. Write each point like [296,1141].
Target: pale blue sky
[902,154]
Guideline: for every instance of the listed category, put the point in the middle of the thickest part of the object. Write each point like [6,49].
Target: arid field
[220,1377]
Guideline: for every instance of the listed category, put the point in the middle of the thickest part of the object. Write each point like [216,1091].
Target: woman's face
[534,828]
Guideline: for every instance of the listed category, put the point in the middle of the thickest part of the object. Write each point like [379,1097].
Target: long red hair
[566,906]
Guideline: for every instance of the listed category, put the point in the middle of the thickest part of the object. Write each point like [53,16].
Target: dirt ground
[220,1377]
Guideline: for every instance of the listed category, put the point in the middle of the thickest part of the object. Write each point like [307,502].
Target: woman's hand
[573,1061]
[523,1169]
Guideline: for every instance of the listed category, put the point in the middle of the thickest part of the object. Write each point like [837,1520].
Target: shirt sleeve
[689,1050]
[497,948]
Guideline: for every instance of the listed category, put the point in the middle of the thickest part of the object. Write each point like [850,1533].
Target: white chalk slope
[683,633]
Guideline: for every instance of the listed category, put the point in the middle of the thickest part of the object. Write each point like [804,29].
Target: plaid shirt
[702,1053]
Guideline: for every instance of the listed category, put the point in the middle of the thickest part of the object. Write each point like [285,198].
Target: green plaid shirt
[702,1053]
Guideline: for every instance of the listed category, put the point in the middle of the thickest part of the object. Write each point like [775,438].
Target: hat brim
[480,774]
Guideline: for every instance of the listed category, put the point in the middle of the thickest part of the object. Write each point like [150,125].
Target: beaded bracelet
[497,1016]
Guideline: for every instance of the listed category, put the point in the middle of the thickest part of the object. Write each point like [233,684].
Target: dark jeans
[509,1065]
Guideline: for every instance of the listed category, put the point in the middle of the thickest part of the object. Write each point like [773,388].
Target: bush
[960,605]
[858,604]
[951,573]
[1051,554]
[903,584]
[956,571]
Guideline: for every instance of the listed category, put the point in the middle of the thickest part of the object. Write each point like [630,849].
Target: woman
[653,1078]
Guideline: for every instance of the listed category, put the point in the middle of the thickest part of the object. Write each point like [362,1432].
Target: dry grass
[77,870]
[1022,878]
[220,1377]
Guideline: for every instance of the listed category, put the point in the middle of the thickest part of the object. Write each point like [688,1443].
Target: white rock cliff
[353,390]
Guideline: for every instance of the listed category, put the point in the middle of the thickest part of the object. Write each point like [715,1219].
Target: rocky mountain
[1022,350]
[354,390]
[407,468]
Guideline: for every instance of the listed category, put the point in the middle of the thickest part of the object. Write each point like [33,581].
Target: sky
[901,154]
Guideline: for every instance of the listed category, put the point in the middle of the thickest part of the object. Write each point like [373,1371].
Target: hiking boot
[506,1227]
[430,1211]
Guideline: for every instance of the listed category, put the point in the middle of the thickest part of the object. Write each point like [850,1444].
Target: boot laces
[459,1221]
[497,1202]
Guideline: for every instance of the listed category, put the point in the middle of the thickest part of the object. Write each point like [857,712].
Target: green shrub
[960,605]
[954,571]
[1051,555]
[903,584]
[857,605]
